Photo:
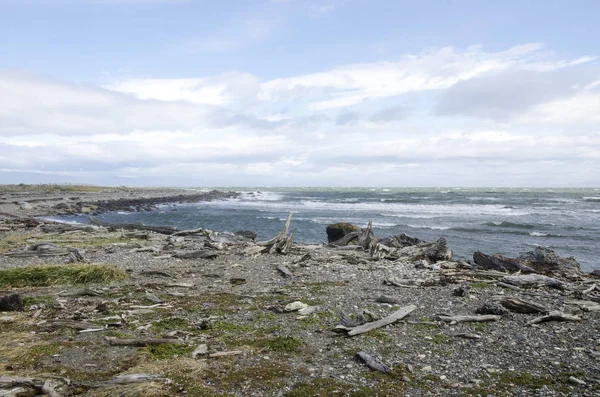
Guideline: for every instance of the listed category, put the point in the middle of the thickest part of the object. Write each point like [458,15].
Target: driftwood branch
[522,306]
[282,243]
[392,318]
[554,316]
[143,342]
[465,319]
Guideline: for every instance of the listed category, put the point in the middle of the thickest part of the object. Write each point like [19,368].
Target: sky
[300,93]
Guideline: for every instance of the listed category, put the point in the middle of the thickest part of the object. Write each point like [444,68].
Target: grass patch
[286,344]
[172,324]
[37,300]
[265,376]
[378,334]
[14,241]
[168,350]
[46,275]
[481,285]
[524,379]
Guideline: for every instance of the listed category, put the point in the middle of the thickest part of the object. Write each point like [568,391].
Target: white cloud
[516,115]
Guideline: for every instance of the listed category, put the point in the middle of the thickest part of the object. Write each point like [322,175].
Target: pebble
[576,381]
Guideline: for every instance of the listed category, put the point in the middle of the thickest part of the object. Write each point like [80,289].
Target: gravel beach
[202,313]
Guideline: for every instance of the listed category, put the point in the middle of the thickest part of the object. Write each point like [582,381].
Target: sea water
[505,221]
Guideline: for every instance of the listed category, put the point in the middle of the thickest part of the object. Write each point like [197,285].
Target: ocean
[505,221]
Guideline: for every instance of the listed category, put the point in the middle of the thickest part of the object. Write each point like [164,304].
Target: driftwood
[586,306]
[521,306]
[372,362]
[226,354]
[81,292]
[143,342]
[20,386]
[499,262]
[465,319]
[366,238]
[533,281]
[554,316]
[155,273]
[285,272]
[387,299]
[200,254]
[282,243]
[346,239]
[467,335]
[392,318]
[60,324]
[133,226]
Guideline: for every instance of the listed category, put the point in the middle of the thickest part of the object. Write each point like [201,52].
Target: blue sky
[300,92]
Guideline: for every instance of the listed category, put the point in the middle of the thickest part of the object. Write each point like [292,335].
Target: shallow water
[506,221]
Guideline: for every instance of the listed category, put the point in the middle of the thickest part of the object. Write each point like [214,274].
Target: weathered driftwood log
[366,238]
[533,281]
[465,319]
[282,243]
[499,262]
[586,306]
[346,239]
[21,387]
[522,306]
[372,362]
[541,260]
[392,318]
[133,226]
[226,354]
[200,254]
[143,342]
[285,272]
[337,231]
[60,324]
[554,315]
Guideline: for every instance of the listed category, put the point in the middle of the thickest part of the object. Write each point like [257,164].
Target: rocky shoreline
[105,311]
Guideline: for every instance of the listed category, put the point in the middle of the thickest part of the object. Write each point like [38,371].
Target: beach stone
[11,303]
[336,231]
[295,306]
[24,205]
[491,308]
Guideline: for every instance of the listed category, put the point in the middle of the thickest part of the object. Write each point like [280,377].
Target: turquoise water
[506,221]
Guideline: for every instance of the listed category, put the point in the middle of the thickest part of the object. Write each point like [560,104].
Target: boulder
[338,230]
[11,303]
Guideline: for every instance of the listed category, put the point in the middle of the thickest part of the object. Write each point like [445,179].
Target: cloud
[519,116]
[347,118]
[393,113]
[502,94]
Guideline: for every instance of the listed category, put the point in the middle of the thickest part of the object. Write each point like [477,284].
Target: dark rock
[338,230]
[11,303]
[491,308]
[461,290]
[595,273]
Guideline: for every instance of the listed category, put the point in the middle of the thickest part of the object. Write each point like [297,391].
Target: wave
[429,227]
[591,198]
[510,224]
[59,220]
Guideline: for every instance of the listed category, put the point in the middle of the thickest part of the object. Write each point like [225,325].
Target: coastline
[204,288]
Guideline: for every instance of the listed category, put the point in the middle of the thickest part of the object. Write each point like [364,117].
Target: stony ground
[224,331]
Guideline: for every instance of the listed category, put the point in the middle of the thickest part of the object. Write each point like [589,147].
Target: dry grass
[47,275]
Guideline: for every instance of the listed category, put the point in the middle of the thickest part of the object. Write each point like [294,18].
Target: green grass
[46,275]
[36,300]
[168,350]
